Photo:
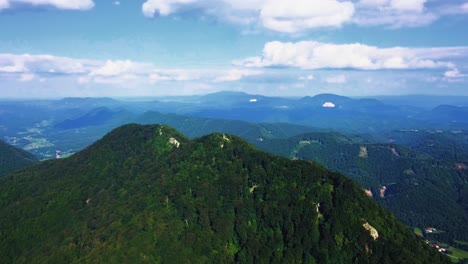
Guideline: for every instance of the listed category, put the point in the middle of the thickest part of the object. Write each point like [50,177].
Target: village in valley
[457,254]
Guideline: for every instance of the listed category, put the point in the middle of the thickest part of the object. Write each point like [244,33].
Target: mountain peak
[148,193]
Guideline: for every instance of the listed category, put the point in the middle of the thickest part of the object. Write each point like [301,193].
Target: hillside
[196,126]
[148,194]
[418,187]
[12,159]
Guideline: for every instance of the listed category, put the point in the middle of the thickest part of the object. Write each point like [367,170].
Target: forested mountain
[198,126]
[148,194]
[423,188]
[12,159]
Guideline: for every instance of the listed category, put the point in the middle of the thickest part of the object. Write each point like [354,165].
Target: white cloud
[12,63]
[277,15]
[163,7]
[4,4]
[27,67]
[117,3]
[284,16]
[465,6]
[317,55]
[302,15]
[328,105]
[177,75]
[113,68]
[393,19]
[454,73]
[235,75]
[339,79]
[394,13]
[27,77]
[408,5]
[373,3]
[395,5]
[307,78]
[451,8]
[60,4]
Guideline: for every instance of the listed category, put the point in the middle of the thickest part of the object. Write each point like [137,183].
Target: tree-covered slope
[12,159]
[422,190]
[197,126]
[147,194]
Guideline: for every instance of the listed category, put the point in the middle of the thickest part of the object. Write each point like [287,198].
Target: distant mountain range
[332,112]
[328,111]
[148,194]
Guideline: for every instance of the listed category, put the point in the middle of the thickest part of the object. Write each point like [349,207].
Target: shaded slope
[12,159]
[148,194]
[420,189]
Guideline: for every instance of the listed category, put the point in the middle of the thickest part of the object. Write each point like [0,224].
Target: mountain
[325,111]
[426,102]
[447,113]
[86,102]
[97,116]
[441,145]
[420,189]
[148,194]
[197,126]
[12,159]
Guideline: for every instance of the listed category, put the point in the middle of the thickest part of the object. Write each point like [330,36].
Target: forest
[148,194]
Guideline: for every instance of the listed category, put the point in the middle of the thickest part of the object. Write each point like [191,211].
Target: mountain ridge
[148,194]
[12,158]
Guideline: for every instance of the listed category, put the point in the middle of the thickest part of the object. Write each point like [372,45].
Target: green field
[461,243]
[418,231]
[458,254]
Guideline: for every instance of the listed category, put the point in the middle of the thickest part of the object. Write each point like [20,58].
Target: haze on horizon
[86,48]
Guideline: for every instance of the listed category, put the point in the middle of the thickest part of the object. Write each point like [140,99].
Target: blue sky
[59,48]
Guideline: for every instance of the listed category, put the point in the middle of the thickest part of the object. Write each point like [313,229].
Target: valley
[417,173]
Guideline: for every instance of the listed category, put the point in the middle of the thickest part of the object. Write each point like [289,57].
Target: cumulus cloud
[175,75]
[453,73]
[118,67]
[328,105]
[4,4]
[34,67]
[163,7]
[405,5]
[307,78]
[60,4]
[27,77]
[395,13]
[235,75]
[317,55]
[290,17]
[277,15]
[339,79]
[302,15]
[12,63]
[394,19]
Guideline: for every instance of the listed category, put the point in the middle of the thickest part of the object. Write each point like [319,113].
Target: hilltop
[148,194]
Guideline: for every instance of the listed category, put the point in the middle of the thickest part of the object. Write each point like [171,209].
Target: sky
[121,48]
